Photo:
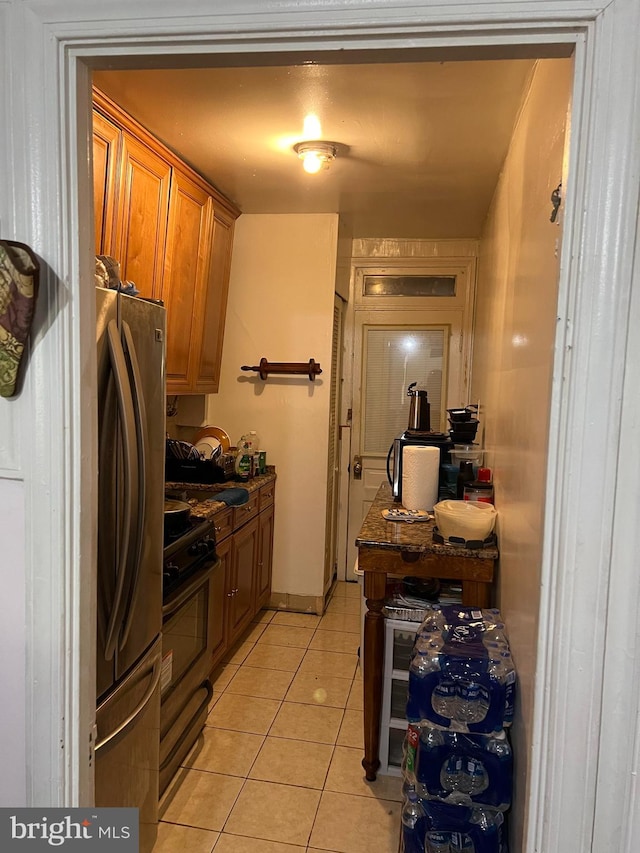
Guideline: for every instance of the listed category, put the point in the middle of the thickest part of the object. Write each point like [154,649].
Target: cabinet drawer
[267,496]
[242,514]
[223,523]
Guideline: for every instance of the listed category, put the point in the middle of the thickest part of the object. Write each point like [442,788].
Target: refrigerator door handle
[140,415]
[155,678]
[130,457]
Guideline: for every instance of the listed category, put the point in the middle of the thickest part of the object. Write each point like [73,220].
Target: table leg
[374,590]
[476,594]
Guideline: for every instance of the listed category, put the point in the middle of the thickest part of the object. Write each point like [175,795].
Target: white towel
[420,475]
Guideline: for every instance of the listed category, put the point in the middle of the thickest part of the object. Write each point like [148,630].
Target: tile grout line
[281,703]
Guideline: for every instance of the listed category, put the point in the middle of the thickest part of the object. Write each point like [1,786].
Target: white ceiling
[422,143]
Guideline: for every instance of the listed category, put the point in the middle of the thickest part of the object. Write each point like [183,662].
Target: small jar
[480,489]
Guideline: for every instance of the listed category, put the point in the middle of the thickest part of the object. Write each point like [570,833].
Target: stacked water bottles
[457,759]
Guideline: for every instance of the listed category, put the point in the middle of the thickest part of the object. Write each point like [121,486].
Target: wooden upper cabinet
[186,277]
[106,150]
[172,233]
[141,219]
[213,307]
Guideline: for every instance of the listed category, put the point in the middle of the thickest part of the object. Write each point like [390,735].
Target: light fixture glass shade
[312,162]
[315,155]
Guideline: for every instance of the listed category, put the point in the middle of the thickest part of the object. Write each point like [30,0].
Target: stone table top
[416,536]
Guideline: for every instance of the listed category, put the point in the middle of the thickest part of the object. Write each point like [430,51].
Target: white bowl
[465,519]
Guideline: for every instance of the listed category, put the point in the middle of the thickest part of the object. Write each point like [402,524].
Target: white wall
[12,645]
[512,367]
[280,307]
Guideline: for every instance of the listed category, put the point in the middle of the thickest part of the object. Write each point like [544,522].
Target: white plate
[207,447]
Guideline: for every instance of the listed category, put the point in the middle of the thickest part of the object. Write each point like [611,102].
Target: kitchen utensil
[181,449]
[176,514]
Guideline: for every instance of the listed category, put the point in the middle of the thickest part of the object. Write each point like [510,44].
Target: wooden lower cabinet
[218,603]
[245,549]
[265,557]
[243,561]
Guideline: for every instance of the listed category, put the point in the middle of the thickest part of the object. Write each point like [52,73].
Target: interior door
[391,350]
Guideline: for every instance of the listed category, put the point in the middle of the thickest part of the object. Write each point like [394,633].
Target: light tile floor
[277,767]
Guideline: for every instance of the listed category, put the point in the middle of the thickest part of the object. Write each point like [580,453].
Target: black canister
[465,475]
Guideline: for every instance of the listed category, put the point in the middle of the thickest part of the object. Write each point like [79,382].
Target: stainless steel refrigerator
[131,430]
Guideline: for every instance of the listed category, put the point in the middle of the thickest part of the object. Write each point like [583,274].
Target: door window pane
[393,359]
[409,285]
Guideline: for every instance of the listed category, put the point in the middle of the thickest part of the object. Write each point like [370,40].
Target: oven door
[186,657]
[185,631]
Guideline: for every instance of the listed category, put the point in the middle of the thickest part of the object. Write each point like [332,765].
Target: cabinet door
[243,559]
[106,147]
[265,558]
[218,603]
[141,220]
[212,312]
[186,276]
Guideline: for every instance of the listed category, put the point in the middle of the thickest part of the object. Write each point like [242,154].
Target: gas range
[185,551]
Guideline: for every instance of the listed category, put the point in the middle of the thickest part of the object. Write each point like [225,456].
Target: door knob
[357,467]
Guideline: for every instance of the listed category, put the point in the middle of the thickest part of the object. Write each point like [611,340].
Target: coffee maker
[418,432]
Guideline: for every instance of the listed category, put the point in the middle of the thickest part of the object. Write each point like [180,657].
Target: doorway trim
[573,803]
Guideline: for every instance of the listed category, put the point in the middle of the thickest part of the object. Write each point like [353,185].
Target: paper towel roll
[420,474]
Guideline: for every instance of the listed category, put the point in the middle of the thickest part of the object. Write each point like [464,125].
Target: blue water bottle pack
[461,675]
[463,769]
[433,827]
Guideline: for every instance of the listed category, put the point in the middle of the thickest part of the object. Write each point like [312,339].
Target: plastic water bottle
[489,821]
[461,843]
[451,774]
[444,700]
[412,829]
[433,622]
[429,644]
[475,777]
[412,811]
[437,842]
[431,737]
[473,702]
[499,746]
[422,663]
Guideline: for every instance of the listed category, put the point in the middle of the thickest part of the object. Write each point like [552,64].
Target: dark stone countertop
[207,508]
[417,536]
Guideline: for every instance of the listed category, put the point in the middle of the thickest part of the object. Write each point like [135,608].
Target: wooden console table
[400,548]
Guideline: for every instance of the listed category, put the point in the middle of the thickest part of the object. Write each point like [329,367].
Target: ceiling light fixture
[315,154]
